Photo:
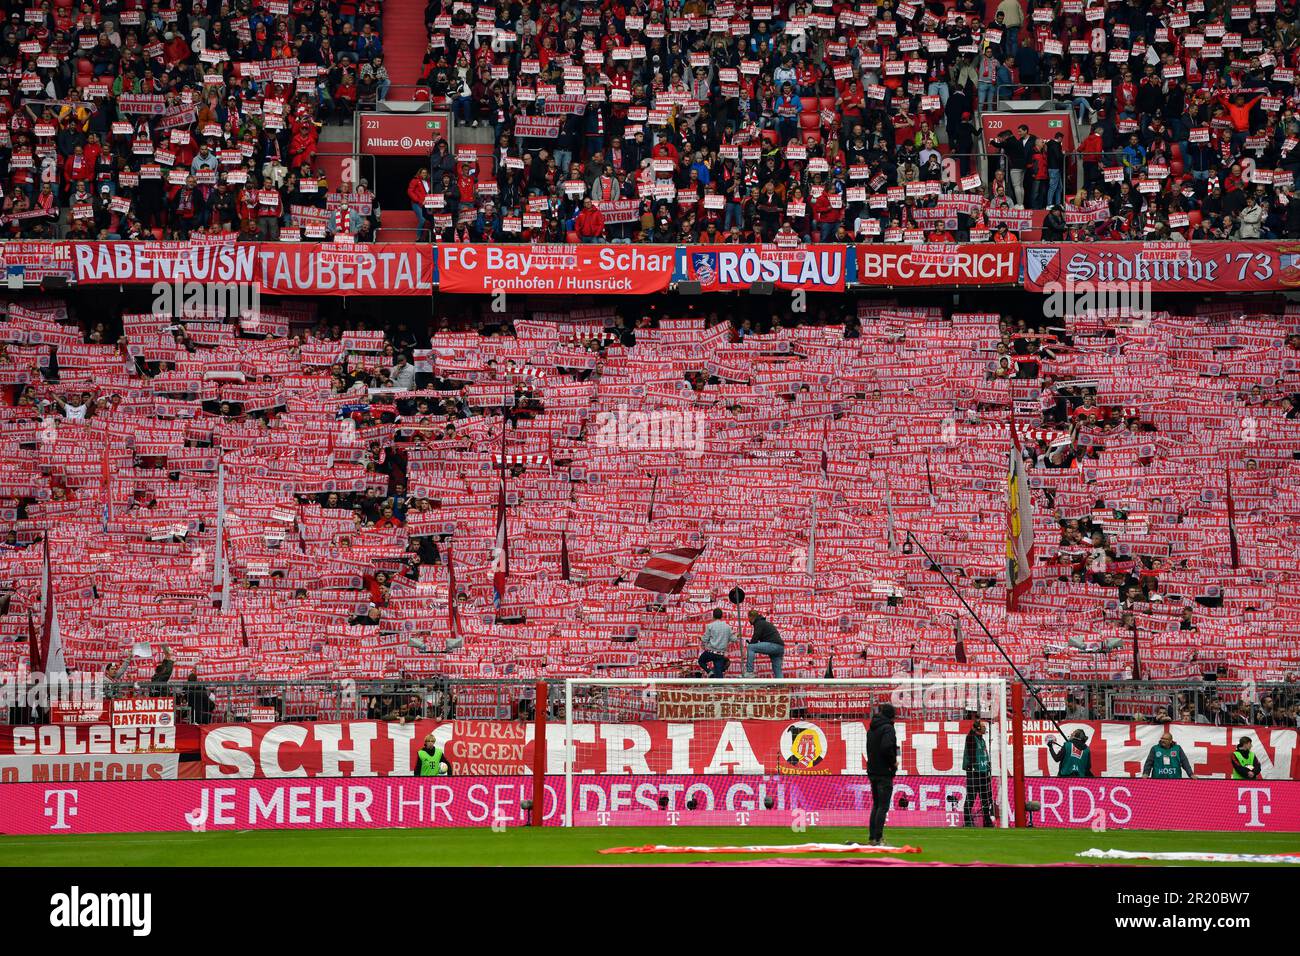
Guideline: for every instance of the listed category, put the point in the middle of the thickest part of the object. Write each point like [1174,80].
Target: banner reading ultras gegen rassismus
[582,269]
[724,268]
[1166,266]
[944,265]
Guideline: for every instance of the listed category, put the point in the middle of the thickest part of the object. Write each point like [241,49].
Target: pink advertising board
[373,802]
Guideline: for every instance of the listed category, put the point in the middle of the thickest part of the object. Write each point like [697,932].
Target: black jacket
[882,748]
[765,632]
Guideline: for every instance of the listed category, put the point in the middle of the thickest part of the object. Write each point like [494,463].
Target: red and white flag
[1234,555]
[501,553]
[891,528]
[453,615]
[51,642]
[666,571]
[1020,528]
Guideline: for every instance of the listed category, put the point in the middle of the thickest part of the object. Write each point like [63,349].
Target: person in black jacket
[765,639]
[979,776]
[882,764]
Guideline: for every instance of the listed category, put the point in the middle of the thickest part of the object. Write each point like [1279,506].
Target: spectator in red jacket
[590,224]
[416,190]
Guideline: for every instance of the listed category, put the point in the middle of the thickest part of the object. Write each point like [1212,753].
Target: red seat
[770,136]
[84,68]
[1193,218]
[809,121]
[421,94]
[572,238]
[812,136]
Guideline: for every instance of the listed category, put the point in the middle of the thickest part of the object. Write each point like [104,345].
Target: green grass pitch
[554,846]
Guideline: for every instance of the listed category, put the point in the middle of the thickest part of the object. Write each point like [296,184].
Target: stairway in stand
[334,159]
[405,41]
[398,225]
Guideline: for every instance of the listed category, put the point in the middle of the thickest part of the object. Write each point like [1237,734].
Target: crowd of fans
[745,121]
[727,121]
[136,121]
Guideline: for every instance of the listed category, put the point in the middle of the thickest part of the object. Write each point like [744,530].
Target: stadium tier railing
[1220,702]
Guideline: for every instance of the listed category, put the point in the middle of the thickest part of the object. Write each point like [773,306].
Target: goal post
[772,752]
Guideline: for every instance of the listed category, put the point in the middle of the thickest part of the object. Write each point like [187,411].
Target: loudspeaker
[688,288]
[762,288]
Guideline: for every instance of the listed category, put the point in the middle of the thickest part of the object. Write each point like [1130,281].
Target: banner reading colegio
[1218,267]
[583,269]
[976,264]
[723,268]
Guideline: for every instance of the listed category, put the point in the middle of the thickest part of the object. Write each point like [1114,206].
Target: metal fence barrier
[1208,702]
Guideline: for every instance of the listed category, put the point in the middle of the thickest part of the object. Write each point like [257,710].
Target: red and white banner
[976,264]
[617,212]
[147,766]
[1210,267]
[539,127]
[722,268]
[585,269]
[280,268]
[144,712]
[50,740]
[371,748]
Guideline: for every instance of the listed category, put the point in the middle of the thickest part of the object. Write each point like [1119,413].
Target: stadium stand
[682,122]
[355,484]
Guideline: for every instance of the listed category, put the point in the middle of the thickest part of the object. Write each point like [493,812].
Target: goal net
[792,752]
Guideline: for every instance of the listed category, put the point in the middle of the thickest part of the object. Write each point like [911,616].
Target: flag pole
[913,539]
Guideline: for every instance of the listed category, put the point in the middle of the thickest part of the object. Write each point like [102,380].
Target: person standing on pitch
[718,636]
[1245,765]
[1167,761]
[1074,757]
[882,764]
[979,776]
[430,761]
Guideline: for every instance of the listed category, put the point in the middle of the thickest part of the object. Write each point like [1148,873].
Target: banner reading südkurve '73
[1166,266]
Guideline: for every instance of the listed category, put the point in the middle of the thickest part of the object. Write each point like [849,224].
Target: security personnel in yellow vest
[430,761]
[1245,765]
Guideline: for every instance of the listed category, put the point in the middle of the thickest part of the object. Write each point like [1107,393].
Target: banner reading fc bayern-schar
[1167,266]
[582,269]
[723,268]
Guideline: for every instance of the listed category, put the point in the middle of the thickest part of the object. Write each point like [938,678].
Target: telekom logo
[61,809]
[1254,808]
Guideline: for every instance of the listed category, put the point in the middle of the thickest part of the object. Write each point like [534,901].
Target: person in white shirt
[718,636]
[402,373]
[76,410]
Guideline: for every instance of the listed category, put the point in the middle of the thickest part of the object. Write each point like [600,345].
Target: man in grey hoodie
[718,636]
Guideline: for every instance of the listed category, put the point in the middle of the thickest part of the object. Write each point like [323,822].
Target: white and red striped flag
[1234,553]
[453,615]
[666,571]
[1020,527]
